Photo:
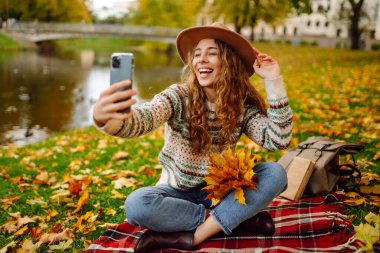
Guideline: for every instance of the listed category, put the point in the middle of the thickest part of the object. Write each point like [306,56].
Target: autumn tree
[250,12]
[351,11]
[46,10]
[169,13]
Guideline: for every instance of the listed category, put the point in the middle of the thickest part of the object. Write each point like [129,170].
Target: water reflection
[42,93]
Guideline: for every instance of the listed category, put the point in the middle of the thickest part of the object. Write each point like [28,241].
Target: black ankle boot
[152,240]
[260,224]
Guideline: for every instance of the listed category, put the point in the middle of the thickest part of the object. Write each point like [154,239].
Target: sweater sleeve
[275,130]
[148,116]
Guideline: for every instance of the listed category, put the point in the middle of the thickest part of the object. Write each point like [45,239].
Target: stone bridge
[37,32]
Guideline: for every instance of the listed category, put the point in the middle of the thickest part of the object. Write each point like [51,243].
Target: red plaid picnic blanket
[309,225]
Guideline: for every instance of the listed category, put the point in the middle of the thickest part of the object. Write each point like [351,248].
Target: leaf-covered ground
[61,194]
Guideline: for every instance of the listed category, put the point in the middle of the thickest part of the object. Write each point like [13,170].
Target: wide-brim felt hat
[189,38]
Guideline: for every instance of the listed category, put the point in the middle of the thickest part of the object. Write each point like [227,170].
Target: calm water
[41,94]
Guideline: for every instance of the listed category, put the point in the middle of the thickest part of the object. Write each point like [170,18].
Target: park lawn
[6,43]
[75,182]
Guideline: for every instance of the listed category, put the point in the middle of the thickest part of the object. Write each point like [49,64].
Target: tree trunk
[237,24]
[355,32]
[253,25]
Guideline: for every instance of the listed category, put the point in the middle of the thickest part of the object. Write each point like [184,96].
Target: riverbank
[7,43]
[102,44]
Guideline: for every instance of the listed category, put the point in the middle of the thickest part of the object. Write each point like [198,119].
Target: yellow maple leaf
[82,201]
[368,235]
[229,172]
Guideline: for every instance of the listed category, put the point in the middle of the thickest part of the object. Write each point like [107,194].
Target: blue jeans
[166,209]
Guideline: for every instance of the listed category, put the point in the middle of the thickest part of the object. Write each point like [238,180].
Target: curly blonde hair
[234,91]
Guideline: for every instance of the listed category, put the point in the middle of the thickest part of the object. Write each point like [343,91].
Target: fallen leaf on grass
[120,155]
[8,201]
[52,213]
[374,200]
[108,225]
[28,246]
[85,223]
[21,231]
[373,219]
[117,195]
[370,189]
[56,237]
[110,211]
[368,235]
[6,247]
[62,245]
[83,200]
[60,196]
[26,219]
[75,188]
[35,232]
[354,199]
[56,228]
[125,182]
[368,177]
[38,201]
[42,178]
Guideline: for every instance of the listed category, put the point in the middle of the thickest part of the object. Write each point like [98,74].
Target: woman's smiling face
[206,62]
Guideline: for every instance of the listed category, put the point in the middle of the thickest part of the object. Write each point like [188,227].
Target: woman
[208,112]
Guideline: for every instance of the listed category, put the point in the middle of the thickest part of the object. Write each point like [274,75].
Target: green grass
[333,93]
[7,43]
[97,44]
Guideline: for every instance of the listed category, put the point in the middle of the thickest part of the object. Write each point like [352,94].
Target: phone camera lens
[116,62]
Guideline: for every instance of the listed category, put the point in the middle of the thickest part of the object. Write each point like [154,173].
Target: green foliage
[250,12]
[312,43]
[168,13]
[375,46]
[46,10]
[301,6]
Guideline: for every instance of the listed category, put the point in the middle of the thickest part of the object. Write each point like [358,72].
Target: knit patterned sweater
[184,169]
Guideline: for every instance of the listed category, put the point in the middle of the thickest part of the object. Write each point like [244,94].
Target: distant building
[325,25]
[117,8]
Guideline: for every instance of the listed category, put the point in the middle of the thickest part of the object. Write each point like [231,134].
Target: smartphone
[122,65]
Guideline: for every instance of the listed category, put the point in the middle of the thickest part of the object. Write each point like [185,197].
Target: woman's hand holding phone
[113,101]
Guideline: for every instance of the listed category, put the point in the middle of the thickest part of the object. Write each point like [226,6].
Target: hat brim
[189,38]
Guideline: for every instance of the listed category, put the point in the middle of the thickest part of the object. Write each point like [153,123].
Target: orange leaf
[354,202]
[370,189]
[35,232]
[56,228]
[82,201]
[75,188]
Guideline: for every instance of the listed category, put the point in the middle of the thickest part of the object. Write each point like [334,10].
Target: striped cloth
[309,225]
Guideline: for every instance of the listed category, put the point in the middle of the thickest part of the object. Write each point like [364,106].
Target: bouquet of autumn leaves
[228,172]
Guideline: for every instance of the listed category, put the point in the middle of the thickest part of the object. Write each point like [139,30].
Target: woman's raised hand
[109,103]
[265,66]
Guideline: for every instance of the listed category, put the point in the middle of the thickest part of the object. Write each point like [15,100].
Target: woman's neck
[210,93]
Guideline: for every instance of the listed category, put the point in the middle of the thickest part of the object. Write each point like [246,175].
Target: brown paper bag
[298,172]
